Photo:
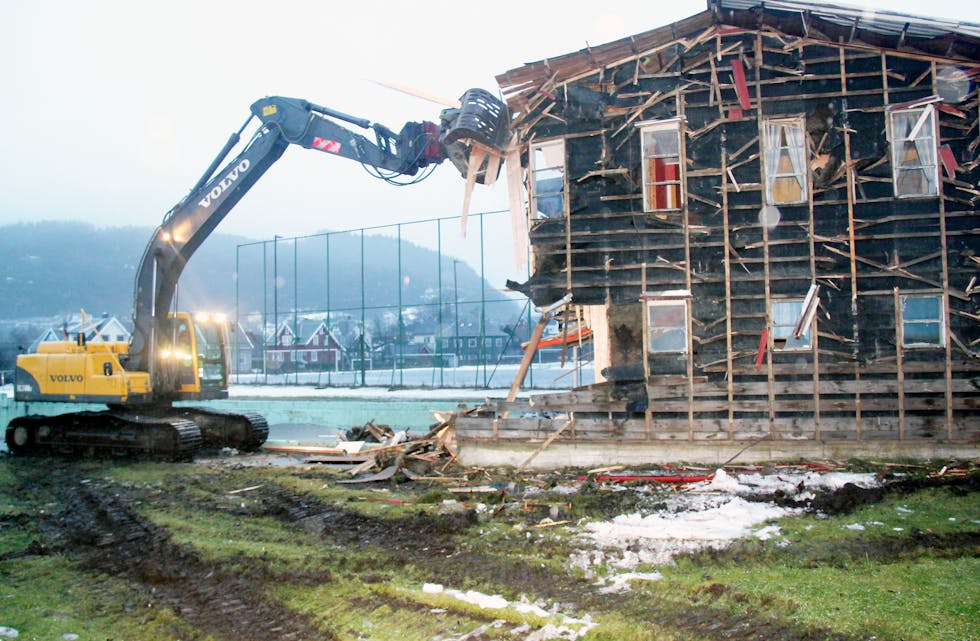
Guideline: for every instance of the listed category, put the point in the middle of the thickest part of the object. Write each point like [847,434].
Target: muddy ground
[97,522]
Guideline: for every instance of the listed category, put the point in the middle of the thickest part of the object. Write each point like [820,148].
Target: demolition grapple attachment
[482,120]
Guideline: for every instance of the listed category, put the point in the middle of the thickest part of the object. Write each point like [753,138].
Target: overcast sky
[115,107]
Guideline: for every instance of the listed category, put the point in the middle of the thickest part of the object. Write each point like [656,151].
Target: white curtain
[925,146]
[797,151]
[795,146]
[771,148]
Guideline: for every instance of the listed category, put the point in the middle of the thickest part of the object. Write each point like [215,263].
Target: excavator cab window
[210,353]
[184,353]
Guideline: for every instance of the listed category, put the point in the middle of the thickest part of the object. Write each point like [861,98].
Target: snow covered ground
[541,375]
[711,514]
[285,392]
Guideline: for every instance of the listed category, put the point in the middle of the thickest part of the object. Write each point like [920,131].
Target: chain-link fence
[409,304]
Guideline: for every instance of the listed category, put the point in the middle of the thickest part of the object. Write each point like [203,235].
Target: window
[785,316]
[922,322]
[548,178]
[913,141]
[661,148]
[313,356]
[471,342]
[667,326]
[784,142]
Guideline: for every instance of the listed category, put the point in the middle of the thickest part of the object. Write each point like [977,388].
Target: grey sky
[114,108]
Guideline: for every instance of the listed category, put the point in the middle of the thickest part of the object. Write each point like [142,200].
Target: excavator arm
[283,122]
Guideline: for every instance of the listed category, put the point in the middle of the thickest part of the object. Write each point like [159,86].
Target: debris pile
[376,452]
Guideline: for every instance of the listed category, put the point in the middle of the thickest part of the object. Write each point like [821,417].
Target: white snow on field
[791,484]
[731,520]
[711,515]
[381,393]
[541,376]
[497,602]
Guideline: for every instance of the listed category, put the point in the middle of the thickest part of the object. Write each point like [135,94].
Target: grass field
[142,551]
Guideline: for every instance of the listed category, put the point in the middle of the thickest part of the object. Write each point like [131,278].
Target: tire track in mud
[426,541]
[97,524]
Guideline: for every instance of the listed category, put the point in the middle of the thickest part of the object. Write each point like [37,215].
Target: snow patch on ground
[792,484]
[570,628]
[709,516]
[619,583]
[380,393]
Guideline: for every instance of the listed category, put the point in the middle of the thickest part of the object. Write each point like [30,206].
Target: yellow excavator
[173,356]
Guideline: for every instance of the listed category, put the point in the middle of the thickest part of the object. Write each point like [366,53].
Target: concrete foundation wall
[558,455]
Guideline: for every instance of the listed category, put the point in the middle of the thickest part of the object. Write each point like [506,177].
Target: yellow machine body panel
[67,371]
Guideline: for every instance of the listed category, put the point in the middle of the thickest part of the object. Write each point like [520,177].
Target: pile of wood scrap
[380,452]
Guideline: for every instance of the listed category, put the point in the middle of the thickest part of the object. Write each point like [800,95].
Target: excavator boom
[171,357]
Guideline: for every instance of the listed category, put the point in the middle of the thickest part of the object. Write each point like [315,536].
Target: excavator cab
[195,357]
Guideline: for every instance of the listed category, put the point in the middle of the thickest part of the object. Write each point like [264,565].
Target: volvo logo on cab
[66,378]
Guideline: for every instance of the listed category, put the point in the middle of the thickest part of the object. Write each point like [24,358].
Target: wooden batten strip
[899,367]
[946,293]
[729,378]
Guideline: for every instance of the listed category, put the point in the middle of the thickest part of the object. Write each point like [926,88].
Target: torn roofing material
[956,40]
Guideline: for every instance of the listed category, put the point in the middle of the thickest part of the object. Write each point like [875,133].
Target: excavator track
[108,432]
[243,431]
[175,433]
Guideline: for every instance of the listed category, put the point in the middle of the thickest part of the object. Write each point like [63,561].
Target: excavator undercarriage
[169,433]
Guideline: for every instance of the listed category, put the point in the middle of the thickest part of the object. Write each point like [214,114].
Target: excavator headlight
[165,354]
[203,317]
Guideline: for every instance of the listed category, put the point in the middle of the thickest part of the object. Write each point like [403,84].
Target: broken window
[667,326]
[922,322]
[548,179]
[913,142]
[786,162]
[661,148]
[785,318]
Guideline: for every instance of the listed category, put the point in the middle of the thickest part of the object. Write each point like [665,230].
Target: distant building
[108,329]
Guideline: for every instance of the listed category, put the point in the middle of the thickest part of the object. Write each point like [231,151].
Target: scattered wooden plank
[383,475]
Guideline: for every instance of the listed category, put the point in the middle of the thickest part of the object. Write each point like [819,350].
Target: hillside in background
[49,269]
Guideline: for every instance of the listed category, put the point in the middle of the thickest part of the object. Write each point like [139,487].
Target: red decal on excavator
[326,145]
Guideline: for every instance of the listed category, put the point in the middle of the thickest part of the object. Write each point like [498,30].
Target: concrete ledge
[558,455]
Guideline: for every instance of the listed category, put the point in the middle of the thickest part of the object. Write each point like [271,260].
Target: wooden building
[768,212]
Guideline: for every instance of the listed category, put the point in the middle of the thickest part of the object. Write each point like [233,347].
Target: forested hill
[52,268]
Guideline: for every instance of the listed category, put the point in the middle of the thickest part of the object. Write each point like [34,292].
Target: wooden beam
[532,347]
[849,172]
[544,446]
[899,369]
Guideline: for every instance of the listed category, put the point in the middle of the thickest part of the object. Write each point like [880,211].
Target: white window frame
[940,320]
[651,328]
[546,156]
[795,150]
[923,138]
[674,125]
[786,329]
